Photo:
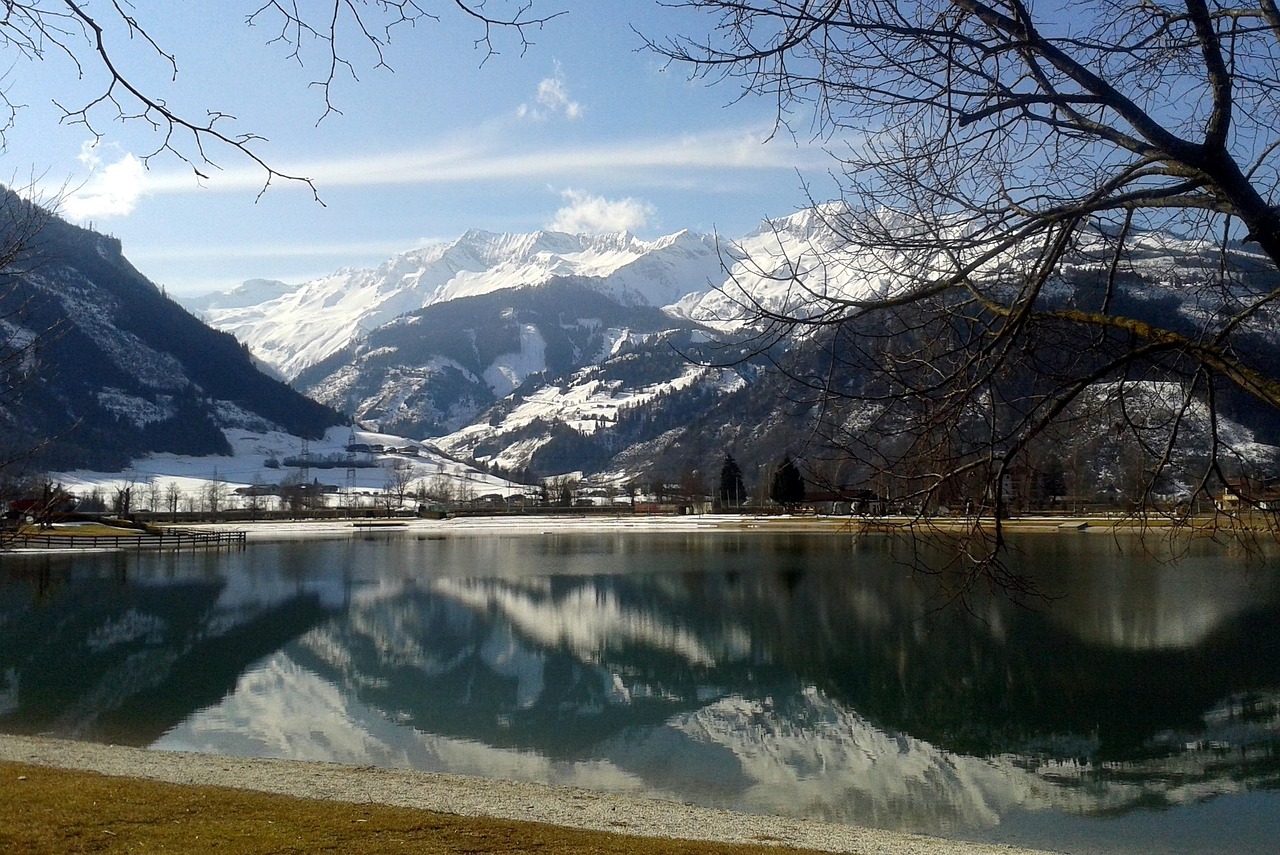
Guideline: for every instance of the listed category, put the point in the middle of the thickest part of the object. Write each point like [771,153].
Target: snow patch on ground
[153,476]
[137,411]
[510,370]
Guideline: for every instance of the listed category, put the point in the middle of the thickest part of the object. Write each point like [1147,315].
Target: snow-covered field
[153,477]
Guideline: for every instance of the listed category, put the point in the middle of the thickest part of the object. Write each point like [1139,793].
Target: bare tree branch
[1020,188]
[340,36]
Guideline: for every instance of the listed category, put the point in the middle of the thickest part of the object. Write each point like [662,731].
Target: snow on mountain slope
[588,403]
[251,292]
[434,371]
[510,369]
[114,369]
[694,276]
[781,267]
[302,326]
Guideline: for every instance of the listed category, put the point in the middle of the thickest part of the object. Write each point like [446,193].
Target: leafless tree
[340,38]
[400,475]
[563,489]
[1018,187]
[215,494]
[122,504]
[153,494]
[172,497]
[442,489]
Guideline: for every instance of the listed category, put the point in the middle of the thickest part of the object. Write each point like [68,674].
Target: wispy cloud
[112,190]
[286,250]
[643,162]
[595,214]
[552,99]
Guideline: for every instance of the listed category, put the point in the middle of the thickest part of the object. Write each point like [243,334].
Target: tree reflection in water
[803,675]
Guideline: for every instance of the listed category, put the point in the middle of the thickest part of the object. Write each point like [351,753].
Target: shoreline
[275,530]
[480,797]
[264,530]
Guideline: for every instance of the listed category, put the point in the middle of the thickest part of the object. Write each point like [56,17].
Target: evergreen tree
[787,488]
[732,490]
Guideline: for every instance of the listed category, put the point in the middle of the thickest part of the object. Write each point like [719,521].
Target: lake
[1135,709]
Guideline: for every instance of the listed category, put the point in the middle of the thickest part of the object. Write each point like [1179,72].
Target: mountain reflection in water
[800,675]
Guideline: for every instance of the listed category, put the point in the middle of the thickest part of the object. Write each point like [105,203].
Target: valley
[560,369]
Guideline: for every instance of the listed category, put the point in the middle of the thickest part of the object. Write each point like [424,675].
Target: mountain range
[685,274]
[530,356]
[534,355]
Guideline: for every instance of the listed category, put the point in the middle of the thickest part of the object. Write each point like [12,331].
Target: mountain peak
[819,222]
[250,292]
[326,315]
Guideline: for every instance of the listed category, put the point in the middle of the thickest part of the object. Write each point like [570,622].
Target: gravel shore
[477,797]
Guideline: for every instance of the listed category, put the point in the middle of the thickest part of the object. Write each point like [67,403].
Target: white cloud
[595,214]
[655,161]
[88,156]
[110,191]
[344,250]
[552,99]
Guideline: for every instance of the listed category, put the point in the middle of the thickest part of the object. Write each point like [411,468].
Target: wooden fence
[170,539]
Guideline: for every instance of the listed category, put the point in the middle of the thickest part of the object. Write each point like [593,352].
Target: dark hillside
[112,367]
[424,374]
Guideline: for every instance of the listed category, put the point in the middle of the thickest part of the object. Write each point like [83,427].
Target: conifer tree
[732,490]
[787,488]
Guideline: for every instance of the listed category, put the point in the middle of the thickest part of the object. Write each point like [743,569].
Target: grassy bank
[48,810]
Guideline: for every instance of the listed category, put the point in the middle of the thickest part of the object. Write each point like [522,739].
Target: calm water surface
[806,675]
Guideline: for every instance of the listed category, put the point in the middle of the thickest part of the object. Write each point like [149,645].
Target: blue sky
[582,131]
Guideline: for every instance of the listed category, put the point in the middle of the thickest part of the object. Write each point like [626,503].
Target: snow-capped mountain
[435,370]
[428,343]
[699,277]
[547,353]
[303,326]
[251,292]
